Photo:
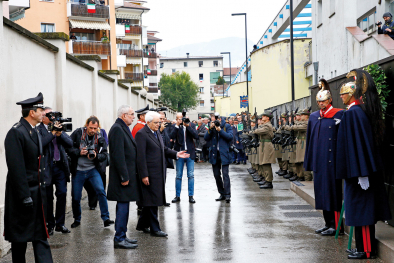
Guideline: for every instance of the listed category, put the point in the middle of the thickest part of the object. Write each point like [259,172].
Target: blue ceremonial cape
[357,156]
[320,158]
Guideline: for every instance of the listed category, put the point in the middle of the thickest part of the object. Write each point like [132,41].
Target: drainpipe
[316,68]
[142,62]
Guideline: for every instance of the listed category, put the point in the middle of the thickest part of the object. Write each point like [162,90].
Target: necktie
[155,134]
[56,153]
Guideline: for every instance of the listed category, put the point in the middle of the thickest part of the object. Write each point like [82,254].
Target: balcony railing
[153,89]
[153,72]
[151,55]
[91,47]
[80,9]
[134,76]
[133,29]
[133,53]
[152,84]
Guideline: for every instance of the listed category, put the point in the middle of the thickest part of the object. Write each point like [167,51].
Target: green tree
[179,91]
[220,81]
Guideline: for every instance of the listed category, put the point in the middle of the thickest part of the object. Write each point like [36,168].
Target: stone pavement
[257,226]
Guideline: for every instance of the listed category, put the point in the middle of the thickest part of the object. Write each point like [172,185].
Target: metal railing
[133,29]
[134,76]
[80,9]
[133,53]
[91,47]
[153,72]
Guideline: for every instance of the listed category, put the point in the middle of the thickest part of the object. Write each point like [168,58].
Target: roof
[134,6]
[150,37]
[95,25]
[192,57]
[234,71]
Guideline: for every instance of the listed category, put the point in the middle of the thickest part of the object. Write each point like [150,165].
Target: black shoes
[158,234]
[282,172]
[75,224]
[221,198]
[176,199]
[267,185]
[108,222]
[233,162]
[258,179]
[50,231]
[357,255]
[301,179]
[251,171]
[288,176]
[92,208]
[124,245]
[351,251]
[62,229]
[167,204]
[294,178]
[329,232]
[237,163]
[318,231]
[228,200]
[244,162]
[277,172]
[145,230]
[132,241]
[191,200]
[262,182]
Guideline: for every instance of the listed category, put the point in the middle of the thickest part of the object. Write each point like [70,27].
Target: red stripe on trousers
[367,240]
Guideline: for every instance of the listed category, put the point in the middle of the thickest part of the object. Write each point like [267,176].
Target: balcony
[151,55]
[131,53]
[89,47]
[152,84]
[153,72]
[134,76]
[81,10]
[153,89]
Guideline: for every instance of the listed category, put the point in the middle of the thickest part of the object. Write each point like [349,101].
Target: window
[201,90]
[173,70]
[319,12]
[367,22]
[85,36]
[201,77]
[201,103]
[200,63]
[215,63]
[47,28]
[161,65]
[185,64]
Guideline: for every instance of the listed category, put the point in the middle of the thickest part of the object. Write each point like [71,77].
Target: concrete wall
[32,65]
[227,105]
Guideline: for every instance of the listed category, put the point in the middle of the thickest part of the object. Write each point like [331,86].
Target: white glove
[337,121]
[363,182]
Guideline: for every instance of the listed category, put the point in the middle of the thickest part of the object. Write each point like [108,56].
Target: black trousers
[148,218]
[42,251]
[60,181]
[331,219]
[365,239]
[223,184]
[92,196]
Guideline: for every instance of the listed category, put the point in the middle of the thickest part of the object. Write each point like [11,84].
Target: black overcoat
[22,151]
[151,163]
[123,165]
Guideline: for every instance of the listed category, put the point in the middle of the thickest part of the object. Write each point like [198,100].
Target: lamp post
[229,58]
[222,77]
[246,56]
[292,54]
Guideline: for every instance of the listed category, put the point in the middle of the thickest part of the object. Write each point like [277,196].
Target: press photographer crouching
[88,152]
[388,26]
[220,136]
[56,171]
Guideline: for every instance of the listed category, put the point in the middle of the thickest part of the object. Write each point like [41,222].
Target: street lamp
[229,58]
[246,56]
[223,78]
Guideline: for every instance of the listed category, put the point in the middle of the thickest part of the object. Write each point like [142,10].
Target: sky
[181,22]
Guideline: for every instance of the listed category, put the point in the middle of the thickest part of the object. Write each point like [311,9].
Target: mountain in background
[235,45]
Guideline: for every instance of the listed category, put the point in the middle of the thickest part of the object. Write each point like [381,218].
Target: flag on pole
[127,27]
[91,8]
[148,71]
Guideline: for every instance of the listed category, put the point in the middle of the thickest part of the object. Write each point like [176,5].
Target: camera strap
[84,136]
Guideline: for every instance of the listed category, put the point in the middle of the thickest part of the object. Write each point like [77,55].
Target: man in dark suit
[183,135]
[56,172]
[25,194]
[124,185]
[151,161]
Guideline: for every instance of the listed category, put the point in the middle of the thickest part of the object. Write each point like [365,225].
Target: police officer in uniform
[257,176]
[252,155]
[25,194]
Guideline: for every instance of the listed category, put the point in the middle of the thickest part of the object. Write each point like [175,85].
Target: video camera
[217,120]
[184,119]
[57,118]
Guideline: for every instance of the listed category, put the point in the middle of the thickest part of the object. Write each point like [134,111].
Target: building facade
[204,71]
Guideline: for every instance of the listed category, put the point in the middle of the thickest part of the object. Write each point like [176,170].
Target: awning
[127,16]
[95,25]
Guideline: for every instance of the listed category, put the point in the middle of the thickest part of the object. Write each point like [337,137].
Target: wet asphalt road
[257,226]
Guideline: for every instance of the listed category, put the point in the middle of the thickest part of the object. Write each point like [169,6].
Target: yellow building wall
[270,67]
[227,105]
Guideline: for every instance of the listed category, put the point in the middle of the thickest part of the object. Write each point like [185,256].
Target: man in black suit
[151,161]
[124,185]
[56,172]
[183,135]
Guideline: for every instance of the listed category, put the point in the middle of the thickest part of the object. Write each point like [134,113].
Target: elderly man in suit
[124,185]
[151,161]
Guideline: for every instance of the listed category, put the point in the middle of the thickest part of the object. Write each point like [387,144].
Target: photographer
[388,27]
[56,172]
[183,135]
[220,135]
[88,152]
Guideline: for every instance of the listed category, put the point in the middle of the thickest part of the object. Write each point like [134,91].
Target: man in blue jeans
[183,135]
[88,152]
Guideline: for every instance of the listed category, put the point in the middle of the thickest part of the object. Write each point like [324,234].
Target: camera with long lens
[57,118]
[378,23]
[233,148]
[185,120]
[91,152]
[217,121]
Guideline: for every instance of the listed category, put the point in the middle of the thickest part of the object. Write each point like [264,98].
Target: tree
[179,91]
[220,81]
